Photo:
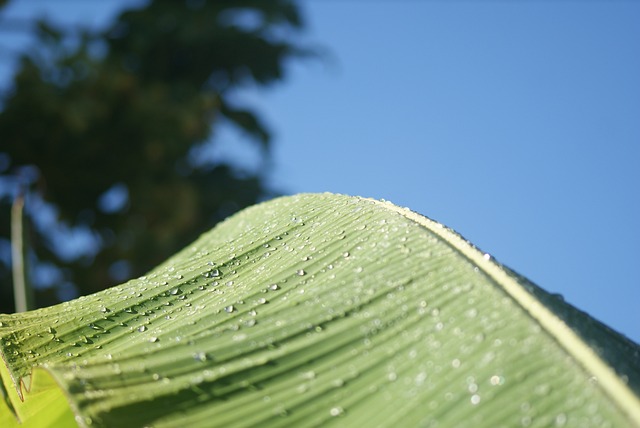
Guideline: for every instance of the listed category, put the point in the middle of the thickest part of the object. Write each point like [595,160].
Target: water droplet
[420,378]
[142,328]
[475,399]
[496,380]
[239,337]
[346,254]
[542,389]
[486,256]
[83,420]
[174,291]
[274,287]
[309,375]
[229,309]
[229,283]
[211,263]
[200,356]
[455,363]
[336,411]
[300,272]
[153,339]
[215,273]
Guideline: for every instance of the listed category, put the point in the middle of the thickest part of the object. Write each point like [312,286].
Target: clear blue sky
[517,123]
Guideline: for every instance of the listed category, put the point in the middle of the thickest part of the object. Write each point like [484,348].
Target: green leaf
[324,309]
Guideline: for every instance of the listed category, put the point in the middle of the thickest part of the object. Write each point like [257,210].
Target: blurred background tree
[104,131]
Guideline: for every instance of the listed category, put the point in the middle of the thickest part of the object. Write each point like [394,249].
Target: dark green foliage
[124,107]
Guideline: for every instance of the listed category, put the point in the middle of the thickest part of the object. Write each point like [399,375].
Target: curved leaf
[320,309]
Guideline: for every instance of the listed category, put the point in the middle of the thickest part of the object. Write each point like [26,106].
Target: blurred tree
[102,129]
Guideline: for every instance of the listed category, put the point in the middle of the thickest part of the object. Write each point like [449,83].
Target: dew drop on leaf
[200,356]
[336,411]
[496,380]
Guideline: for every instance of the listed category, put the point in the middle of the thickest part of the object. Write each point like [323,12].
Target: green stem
[23,293]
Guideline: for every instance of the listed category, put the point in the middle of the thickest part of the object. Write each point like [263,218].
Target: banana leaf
[319,310]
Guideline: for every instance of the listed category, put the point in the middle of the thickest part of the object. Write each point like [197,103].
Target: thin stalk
[22,291]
